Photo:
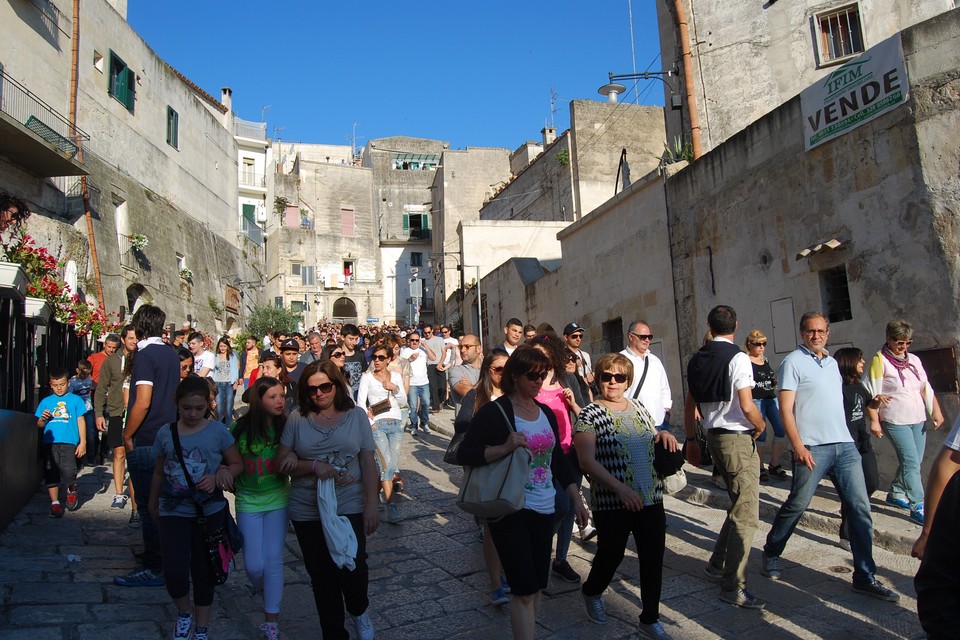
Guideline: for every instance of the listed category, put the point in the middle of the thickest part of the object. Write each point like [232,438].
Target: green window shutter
[426,222]
[128,83]
[249,212]
[173,125]
[406,222]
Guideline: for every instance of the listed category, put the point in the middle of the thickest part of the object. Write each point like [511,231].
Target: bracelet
[691,438]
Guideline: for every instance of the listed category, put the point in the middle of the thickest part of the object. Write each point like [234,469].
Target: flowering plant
[86,319]
[139,241]
[186,274]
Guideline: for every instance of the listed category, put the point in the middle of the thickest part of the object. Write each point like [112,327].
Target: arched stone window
[345,308]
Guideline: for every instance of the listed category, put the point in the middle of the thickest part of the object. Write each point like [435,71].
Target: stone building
[159,155]
[749,58]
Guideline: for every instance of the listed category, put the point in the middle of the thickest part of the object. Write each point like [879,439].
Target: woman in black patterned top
[615,438]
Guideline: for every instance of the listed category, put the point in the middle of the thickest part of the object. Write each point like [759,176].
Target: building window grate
[840,34]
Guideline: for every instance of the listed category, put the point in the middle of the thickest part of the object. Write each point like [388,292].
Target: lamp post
[439,272]
[613,88]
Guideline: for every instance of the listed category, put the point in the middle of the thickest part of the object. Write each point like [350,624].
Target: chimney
[549,135]
[226,97]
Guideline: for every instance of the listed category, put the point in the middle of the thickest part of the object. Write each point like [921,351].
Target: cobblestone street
[428,581]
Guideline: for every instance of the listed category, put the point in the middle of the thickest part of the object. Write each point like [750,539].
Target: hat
[573,327]
[290,344]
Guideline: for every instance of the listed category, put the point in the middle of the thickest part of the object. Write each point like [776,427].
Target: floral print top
[539,493]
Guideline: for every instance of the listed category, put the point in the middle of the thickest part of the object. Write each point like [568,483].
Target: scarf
[900,364]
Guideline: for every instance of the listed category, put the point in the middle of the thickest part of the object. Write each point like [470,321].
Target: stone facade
[749,58]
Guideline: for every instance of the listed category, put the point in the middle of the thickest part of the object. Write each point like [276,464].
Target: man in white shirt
[203,360]
[512,335]
[435,367]
[418,354]
[650,385]
[720,377]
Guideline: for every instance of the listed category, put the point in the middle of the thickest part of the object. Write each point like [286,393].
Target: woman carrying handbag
[523,538]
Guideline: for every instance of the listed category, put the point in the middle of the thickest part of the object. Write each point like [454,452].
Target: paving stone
[38,592]
[34,633]
[46,614]
[123,631]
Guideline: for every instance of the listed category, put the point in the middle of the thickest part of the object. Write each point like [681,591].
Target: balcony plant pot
[13,280]
[36,310]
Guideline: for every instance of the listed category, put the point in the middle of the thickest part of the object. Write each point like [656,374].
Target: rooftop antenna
[633,51]
[263,112]
[554,98]
[353,139]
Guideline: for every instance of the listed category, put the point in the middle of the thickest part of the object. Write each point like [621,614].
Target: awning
[829,245]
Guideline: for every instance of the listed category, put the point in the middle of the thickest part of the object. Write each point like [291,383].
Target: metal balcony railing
[24,106]
[251,179]
[248,129]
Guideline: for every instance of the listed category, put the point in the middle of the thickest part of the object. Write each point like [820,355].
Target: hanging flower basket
[138,241]
[36,310]
[186,275]
[13,280]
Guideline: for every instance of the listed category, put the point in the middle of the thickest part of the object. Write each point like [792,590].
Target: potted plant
[186,275]
[13,280]
[138,241]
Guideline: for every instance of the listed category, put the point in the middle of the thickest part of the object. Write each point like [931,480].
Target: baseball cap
[290,344]
[573,327]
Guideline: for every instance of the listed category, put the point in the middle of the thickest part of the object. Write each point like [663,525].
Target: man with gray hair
[650,385]
[314,347]
[811,405]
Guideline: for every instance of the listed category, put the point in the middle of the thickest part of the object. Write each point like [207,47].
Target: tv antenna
[554,99]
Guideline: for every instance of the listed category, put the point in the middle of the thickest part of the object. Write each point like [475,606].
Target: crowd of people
[306,431]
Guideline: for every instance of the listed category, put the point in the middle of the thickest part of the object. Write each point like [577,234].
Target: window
[347,271]
[278,302]
[298,306]
[181,262]
[840,34]
[296,268]
[417,225]
[307,276]
[98,61]
[613,335]
[347,223]
[416,259]
[122,81]
[173,126]
[835,294]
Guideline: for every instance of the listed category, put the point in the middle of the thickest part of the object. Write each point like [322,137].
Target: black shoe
[565,571]
[876,590]
[134,521]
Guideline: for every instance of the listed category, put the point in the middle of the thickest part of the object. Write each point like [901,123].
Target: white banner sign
[866,87]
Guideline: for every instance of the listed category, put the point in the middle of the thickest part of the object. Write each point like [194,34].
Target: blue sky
[474,74]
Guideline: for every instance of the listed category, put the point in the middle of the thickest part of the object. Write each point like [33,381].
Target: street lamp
[439,274]
[614,89]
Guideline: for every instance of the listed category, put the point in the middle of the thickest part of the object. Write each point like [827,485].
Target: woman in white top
[382,394]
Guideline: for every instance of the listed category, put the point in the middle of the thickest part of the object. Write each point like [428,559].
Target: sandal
[778,472]
[764,476]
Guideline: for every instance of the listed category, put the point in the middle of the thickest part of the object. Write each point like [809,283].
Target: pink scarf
[899,364]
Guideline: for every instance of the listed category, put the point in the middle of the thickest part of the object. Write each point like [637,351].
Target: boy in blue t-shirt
[64,440]
[82,385]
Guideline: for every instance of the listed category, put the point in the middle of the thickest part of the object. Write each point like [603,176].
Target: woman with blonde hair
[765,397]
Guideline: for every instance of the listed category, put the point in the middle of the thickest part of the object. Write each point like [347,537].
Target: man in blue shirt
[811,405]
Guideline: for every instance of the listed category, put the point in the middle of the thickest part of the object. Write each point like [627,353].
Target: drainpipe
[681,16]
[74,72]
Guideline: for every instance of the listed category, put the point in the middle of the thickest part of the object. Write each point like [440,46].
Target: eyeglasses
[576,336]
[758,344]
[380,358]
[497,370]
[444,330]
[904,343]
[606,376]
[338,354]
[467,346]
[816,332]
[572,357]
[417,341]
[536,376]
[642,336]
[325,387]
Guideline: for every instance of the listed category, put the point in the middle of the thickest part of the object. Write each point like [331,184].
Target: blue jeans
[388,435]
[225,395]
[841,462]
[140,463]
[421,391]
[909,441]
[770,409]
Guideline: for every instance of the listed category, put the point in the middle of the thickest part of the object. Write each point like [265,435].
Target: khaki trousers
[735,455]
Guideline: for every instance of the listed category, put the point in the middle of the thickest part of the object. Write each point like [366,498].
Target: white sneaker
[364,625]
[270,631]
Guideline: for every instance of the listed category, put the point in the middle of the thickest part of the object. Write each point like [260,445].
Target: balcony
[34,135]
[248,129]
[253,180]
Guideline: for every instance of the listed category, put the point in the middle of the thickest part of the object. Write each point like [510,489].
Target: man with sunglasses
[419,395]
[650,385]
[573,336]
[464,377]
[720,378]
[811,405]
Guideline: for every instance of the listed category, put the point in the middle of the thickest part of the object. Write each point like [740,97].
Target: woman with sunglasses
[615,438]
[523,539]
[329,437]
[383,390]
[765,397]
[487,389]
[335,353]
[897,381]
[564,400]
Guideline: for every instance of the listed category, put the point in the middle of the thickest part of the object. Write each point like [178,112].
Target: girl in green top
[261,496]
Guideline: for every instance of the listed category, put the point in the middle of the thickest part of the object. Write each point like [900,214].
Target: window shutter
[406,222]
[426,222]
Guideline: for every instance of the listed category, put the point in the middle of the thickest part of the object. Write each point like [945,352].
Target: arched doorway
[137,296]
[344,309]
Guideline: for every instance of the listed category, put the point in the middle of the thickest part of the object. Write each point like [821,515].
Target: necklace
[529,409]
[325,431]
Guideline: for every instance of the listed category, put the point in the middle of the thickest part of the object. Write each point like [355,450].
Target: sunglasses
[497,370]
[467,346]
[904,343]
[337,354]
[606,376]
[325,387]
[379,358]
[642,336]
[758,344]
[572,357]
[536,376]
[414,341]
[576,336]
